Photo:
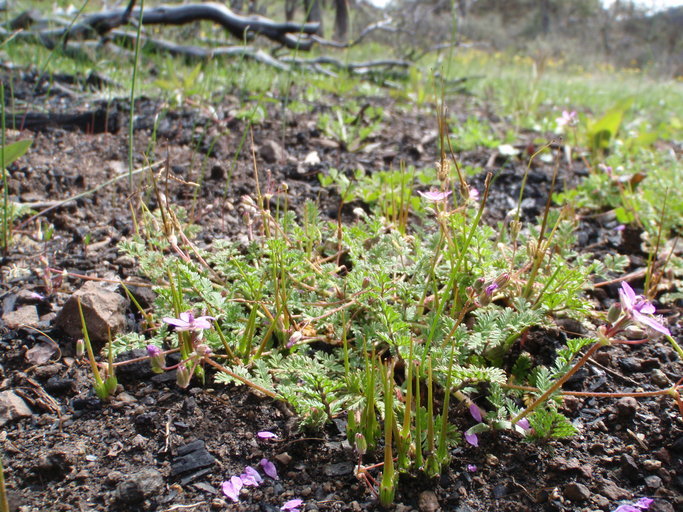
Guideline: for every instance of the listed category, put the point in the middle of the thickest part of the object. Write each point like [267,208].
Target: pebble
[428,502]
[576,491]
[629,468]
[12,407]
[612,491]
[491,460]
[659,378]
[283,458]
[627,407]
[653,482]
[652,464]
[139,486]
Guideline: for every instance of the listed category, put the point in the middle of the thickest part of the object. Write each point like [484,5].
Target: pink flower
[638,506]
[471,468]
[269,468]
[231,488]
[474,194]
[568,118]
[264,434]
[475,412]
[472,439]
[188,322]
[251,477]
[524,423]
[435,196]
[292,505]
[639,310]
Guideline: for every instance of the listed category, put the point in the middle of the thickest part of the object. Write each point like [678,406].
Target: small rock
[629,364]
[491,460]
[572,403]
[652,465]
[103,311]
[659,378]
[12,407]
[576,491]
[612,491]
[629,468]
[139,486]
[283,458]
[428,502]
[25,315]
[627,407]
[355,506]
[338,469]
[272,152]
[653,482]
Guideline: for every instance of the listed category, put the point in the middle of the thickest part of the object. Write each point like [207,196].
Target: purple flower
[292,505]
[231,488]
[639,310]
[491,288]
[472,439]
[251,477]
[473,194]
[475,412]
[567,118]
[435,196]
[638,506]
[264,434]
[524,423]
[471,468]
[188,322]
[268,468]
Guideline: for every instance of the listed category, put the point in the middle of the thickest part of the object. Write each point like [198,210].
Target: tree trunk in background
[341,20]
[545,16]
[314,13]
[290,9]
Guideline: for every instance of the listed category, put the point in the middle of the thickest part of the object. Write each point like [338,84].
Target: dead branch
[291,35]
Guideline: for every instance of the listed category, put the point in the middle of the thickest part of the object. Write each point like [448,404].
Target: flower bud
[80,348]
[156,358]
[183,376]
[502,280]
[361,444]
[294,339]
[479,284]
[614,313]
[203,350]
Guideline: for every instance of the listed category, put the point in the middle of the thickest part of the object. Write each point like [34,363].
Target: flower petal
[650,322]
[472,439]
[627,296]
[475,412]
[252,473]
[524,423]
[175,322]
[265,434]
[269,468]
[292,505]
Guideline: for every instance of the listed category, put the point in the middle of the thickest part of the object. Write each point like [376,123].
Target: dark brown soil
[78,453]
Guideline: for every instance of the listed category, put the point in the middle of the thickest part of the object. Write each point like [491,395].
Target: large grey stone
[12,407]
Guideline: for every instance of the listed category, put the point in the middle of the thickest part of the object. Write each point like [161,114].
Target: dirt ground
[155,447]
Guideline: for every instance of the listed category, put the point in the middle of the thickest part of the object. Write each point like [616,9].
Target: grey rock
[653,482]
[428,502]
[612,491]
[338,469]
[629,468]
[103,310]
[576,491]
[12,407]
[659,378]
[139,486]
[272,152]
[627,407]
[25,315]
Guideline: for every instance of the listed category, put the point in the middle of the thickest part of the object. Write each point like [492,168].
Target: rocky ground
[155,447]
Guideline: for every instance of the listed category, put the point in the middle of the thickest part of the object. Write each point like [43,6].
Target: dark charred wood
[100,120]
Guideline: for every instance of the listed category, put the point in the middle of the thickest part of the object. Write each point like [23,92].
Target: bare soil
[155,447]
